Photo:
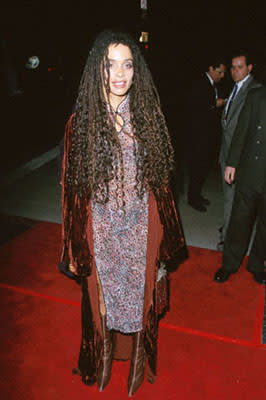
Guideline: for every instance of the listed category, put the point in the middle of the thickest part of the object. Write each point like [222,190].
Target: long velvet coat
[165,241]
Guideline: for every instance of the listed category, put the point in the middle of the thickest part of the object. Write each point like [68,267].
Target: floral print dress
[120,241]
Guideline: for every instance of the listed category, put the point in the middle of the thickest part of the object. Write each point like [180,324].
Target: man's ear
[250,66]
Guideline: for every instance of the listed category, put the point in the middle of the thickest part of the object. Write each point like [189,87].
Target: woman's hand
[72,269]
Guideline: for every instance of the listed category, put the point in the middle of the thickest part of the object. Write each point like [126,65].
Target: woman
[119,218]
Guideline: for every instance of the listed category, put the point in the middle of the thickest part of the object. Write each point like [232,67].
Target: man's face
[217,73]
[239,68]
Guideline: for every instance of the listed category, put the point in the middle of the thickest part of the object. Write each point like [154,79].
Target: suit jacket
[202,114]
[230,122]
[248,149]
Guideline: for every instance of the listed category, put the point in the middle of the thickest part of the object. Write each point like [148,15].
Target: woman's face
[121,71]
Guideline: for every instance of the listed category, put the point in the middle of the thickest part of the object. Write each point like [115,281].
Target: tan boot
[104,373]
[137,365]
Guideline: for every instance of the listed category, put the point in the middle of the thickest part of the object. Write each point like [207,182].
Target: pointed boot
[137,365]
[104,373]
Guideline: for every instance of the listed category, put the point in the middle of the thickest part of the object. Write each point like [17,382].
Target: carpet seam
[40,295]
[189,331]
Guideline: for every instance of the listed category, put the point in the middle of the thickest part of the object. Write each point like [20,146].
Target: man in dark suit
[204,131]
[247,163]
[241,68]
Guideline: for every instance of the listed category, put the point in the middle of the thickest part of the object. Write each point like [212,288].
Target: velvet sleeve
[75,248]
[173,248]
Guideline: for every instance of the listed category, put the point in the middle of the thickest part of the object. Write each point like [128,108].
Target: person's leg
[206,157]
[228,193]
[104,372]
[137,364]
[238,235]
[196,169]
[205,170]
[258,250]
[194,172]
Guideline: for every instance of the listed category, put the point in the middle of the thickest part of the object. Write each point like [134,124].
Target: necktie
[231,99]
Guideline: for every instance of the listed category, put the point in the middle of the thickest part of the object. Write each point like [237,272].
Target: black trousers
[249,205]
[199,164]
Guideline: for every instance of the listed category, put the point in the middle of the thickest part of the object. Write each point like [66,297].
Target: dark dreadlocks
[95,151]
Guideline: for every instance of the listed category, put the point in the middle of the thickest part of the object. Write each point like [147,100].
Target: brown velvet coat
[165,240]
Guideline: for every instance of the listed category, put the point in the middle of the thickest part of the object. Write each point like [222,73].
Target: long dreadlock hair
[95,154]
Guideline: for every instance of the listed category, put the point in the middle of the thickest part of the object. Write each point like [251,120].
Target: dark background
[184,39]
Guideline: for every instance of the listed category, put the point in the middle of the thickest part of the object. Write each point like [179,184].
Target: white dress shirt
[212,83]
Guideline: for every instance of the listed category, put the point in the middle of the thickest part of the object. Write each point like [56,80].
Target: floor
[32,192]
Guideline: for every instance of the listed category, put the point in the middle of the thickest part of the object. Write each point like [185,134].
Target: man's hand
[220,102]
[229,174]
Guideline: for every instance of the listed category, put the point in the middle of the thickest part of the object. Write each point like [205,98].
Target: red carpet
[209,343]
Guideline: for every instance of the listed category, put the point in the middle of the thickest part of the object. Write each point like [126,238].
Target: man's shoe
[221,275]
[259,277]
[205,201]
[197,205]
